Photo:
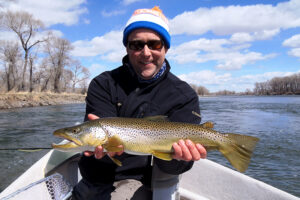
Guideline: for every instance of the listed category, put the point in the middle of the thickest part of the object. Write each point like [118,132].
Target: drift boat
[55,174]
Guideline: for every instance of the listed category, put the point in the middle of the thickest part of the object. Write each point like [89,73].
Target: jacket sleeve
[181,114]
[98,100]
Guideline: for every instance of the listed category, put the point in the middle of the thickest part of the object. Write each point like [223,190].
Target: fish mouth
[69,142]
[65,144]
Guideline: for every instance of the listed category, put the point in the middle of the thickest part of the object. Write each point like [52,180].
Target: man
[142,86]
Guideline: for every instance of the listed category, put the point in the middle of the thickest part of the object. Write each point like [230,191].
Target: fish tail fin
[238,150]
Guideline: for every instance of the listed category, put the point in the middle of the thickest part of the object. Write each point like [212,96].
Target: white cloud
[206,77]
[249,37]
[227,54]
[214,81]
[97,68]
[256,19]
[295,52]
[128,2]
[51,11]
[8,35]
[86,21]
[293,42]
[105,13]
[108,46]
[235,60]
[263,77]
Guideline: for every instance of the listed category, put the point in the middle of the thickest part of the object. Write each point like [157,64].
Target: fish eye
[75,130]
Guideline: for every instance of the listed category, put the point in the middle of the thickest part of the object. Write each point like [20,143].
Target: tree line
[37,60]
[279,86]
[288,85]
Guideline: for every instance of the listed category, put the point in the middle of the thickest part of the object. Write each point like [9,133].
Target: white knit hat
[152,19]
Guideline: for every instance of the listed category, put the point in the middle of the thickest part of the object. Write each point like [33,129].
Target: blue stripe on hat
[149,25]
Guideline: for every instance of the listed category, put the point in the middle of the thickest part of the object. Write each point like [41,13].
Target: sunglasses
[138,45]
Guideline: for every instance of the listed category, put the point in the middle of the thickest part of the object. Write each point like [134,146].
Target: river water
[275,120]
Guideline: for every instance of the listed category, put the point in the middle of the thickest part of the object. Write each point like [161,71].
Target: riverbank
[26,99]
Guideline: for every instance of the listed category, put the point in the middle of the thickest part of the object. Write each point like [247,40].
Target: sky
[218,44]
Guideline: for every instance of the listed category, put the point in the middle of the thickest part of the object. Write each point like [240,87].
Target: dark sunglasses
[138,45]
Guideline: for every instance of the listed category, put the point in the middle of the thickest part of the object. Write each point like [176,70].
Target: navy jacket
[119,93]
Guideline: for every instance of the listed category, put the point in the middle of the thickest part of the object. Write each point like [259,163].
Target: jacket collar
[142,83]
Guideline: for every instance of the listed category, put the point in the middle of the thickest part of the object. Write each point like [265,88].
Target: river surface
[275,120]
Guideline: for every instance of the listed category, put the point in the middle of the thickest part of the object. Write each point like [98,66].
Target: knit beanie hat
[152,19]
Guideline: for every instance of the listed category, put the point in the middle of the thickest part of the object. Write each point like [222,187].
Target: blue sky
[226,44]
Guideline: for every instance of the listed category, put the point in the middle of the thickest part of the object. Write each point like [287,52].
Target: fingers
[177,151]
[186,154]
[201,150]
[92,117]
[112,154]
[193,152]
[88,153]
[188,151]
[99,152]
[120,152]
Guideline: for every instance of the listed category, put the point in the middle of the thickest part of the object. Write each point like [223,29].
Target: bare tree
[58,50]
[26,27]
[66,80]
[84,86]
[194,86]
[32,58]
[10,54]
[279,86]
[45,74]
[201,90]
[80,74]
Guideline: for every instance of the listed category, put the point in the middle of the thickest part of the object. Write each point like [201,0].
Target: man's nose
[146,51]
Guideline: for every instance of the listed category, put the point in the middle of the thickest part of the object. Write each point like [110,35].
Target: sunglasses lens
[155,44]
[139,45]
[136,45]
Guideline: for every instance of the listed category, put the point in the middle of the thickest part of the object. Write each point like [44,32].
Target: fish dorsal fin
[157,118]
[208,125]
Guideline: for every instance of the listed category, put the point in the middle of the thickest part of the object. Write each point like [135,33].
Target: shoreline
[26,99]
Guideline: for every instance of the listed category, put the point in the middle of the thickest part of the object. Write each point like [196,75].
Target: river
[275,120]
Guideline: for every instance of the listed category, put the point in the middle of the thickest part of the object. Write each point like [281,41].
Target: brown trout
[154,136]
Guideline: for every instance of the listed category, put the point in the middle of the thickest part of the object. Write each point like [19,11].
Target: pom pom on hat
[152,19]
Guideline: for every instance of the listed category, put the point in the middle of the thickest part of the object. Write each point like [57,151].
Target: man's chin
[147,74]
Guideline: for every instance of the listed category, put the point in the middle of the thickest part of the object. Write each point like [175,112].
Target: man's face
[146,62]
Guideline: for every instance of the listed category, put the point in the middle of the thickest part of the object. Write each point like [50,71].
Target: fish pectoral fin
[113,148]
[157,118]
[208,125]
[162,155]
[113,144]
[116,161]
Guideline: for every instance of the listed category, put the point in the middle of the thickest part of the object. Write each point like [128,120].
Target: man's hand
[98,153]
[188,151]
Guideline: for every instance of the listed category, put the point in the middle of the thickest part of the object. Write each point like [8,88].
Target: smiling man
[143,86]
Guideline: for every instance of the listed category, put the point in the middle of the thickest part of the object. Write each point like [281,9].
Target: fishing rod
[26,149]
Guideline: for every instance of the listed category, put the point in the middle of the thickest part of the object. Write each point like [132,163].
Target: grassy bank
[26,99]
